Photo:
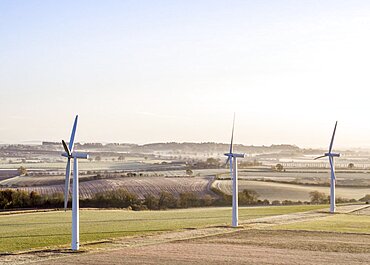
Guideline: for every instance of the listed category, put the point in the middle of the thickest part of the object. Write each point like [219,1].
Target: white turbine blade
[332,167]
[332,138]
[232,136]
[318,157]
[71,141]
[66,187]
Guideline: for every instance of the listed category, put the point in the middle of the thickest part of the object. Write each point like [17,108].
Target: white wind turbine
[69,153]
[331,156]
[232,158]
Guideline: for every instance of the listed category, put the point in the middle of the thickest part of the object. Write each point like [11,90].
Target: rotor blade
[227,160]
[332,138]
[71,141]
[66,148]
[66,187]
[332,167]
[232,136]
[318,157]
[231,168]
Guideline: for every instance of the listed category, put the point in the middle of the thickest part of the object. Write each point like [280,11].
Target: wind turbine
[232,158]
[69,153]
[331,156]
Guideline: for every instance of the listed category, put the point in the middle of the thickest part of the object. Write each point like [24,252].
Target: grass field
[344,223]
[26,231]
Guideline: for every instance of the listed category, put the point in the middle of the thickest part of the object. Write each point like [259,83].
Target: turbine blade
[318,157]
[332,138]
[232,136]
[66,148]
[66,187]
[332,167]
[231,168]
[72,139]
[227,160]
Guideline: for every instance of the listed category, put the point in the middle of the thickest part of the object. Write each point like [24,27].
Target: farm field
[10,179]
[129,164]
[310,176]
[19,232]
[176,181]
[282,191]
[231,251]
[140,186]
[347,223]
[244,246]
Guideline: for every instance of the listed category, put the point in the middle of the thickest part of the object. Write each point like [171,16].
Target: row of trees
[317,197]
[121,198]
[10,199]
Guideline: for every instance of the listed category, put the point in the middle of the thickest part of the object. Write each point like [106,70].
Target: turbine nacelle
[332,154]
[234,155]
[76,155]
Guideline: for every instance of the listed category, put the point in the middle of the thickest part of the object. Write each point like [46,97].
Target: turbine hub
[332,154]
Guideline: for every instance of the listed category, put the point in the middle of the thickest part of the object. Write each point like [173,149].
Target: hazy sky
[149,71]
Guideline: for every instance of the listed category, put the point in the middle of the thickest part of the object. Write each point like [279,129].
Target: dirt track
[242,247]
[223,245]
[193,253]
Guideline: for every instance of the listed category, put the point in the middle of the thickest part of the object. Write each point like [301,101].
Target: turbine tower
[232,158]
[69,153]
[331,156]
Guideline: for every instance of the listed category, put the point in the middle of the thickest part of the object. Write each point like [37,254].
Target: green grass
[344,223]
[26,231]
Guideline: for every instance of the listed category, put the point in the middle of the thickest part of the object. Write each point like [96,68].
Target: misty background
[162,71]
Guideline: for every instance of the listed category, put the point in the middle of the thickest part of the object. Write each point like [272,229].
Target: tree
[279,167]
[151,202]
[366,198]
[188,199]
[22,171]
[98,158]
[212,162]
[248,197]
[351,165]
[317,197]
[167,200]
[189,172]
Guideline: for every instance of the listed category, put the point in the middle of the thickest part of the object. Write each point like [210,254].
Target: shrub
[151,202]
[317,197]
[248,197]
[188,199]
[119,198]
[167,200]
[366,198]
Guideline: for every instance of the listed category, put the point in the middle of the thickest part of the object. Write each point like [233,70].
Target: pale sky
[160,71]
